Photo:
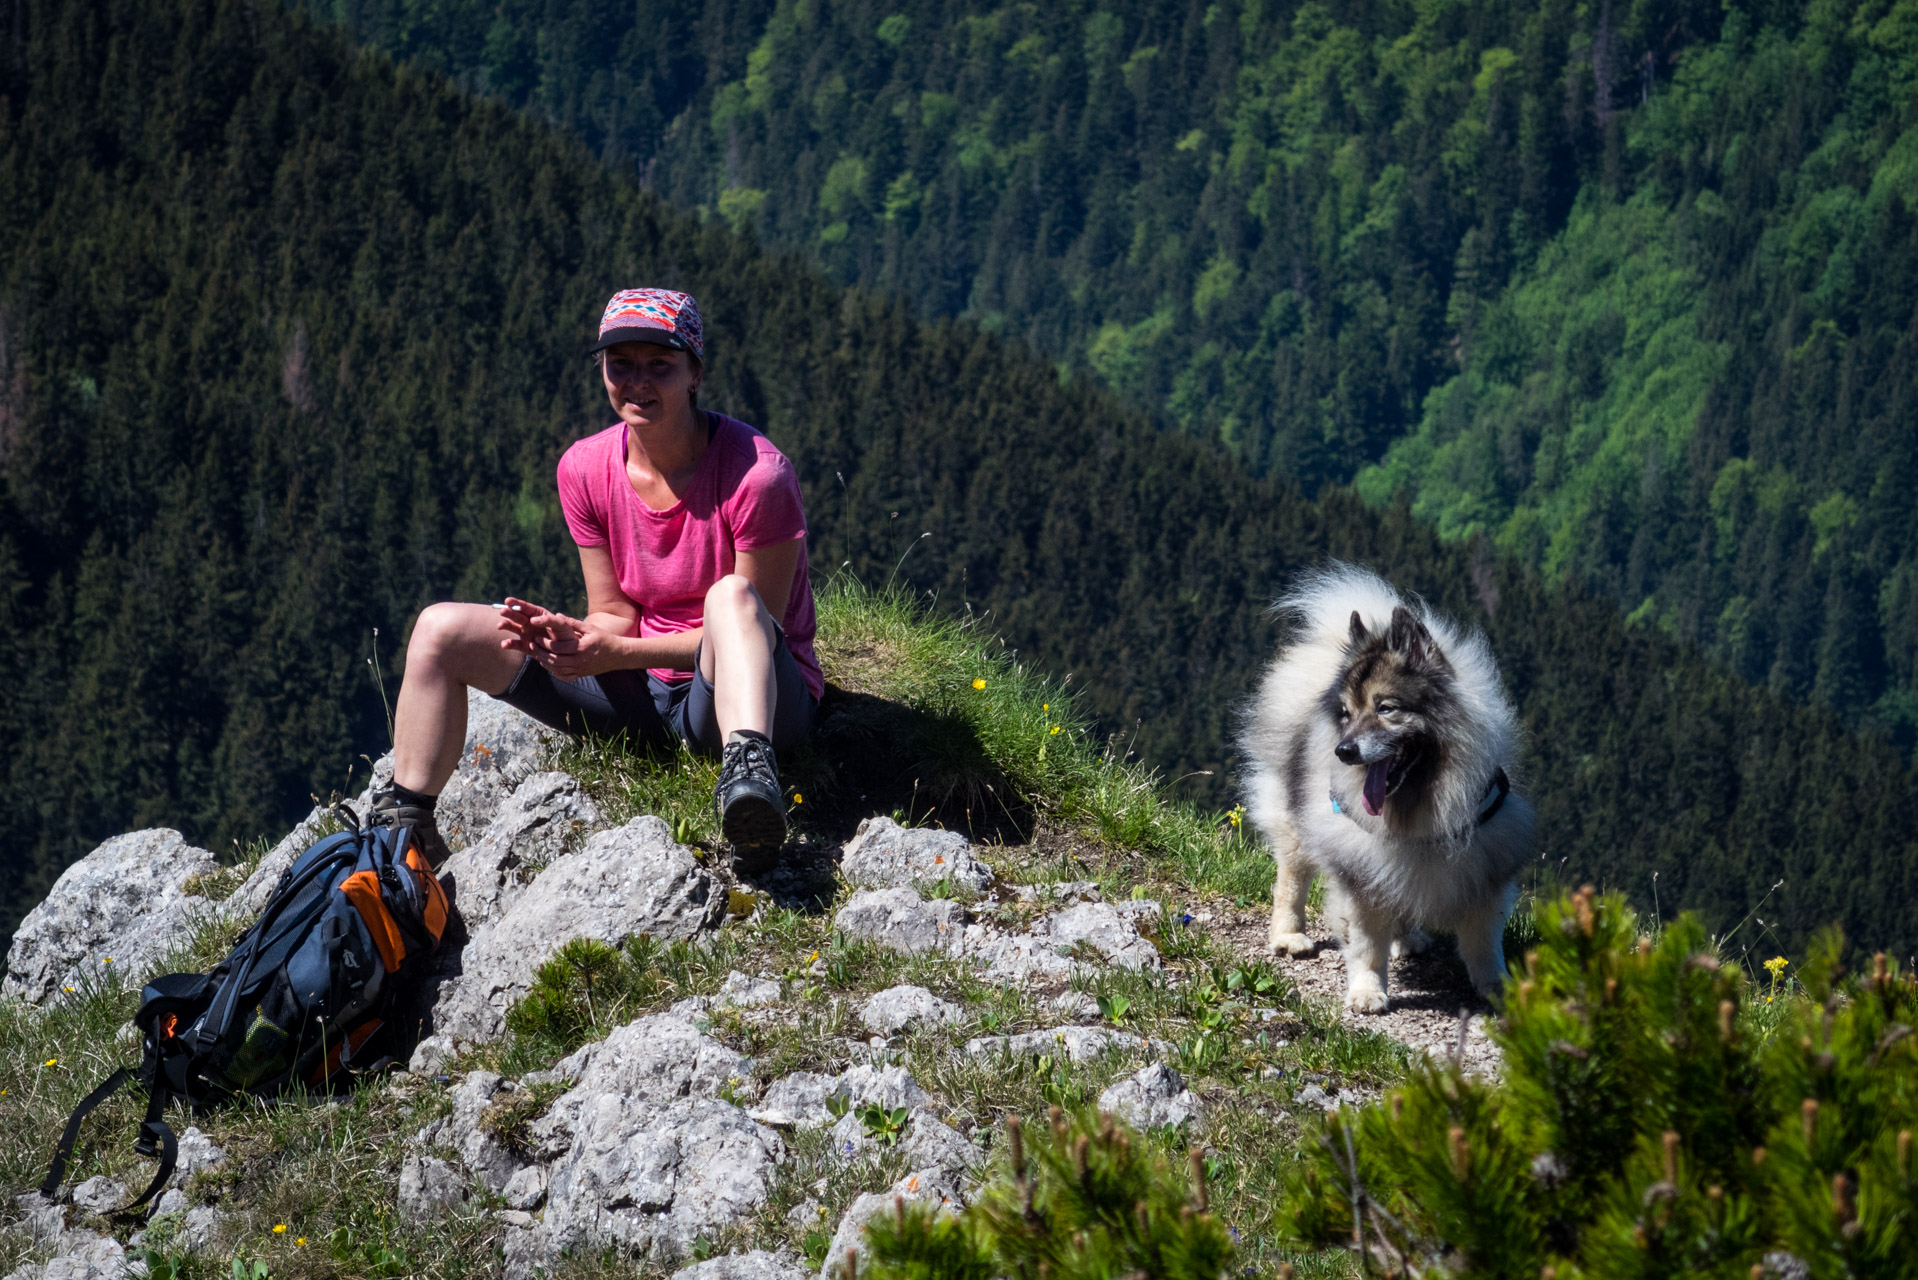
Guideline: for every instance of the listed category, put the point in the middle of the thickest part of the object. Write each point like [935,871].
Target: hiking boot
[752,807]
[389,810]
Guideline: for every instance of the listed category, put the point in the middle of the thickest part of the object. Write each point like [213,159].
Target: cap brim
[639,333]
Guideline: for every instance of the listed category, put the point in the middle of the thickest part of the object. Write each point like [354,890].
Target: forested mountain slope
[291,345]
[1629,285]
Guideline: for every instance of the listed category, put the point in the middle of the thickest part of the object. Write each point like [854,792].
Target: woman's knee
[441,633]
[733,595]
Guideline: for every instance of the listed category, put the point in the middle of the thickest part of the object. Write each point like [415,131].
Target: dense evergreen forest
[289,345]
[1629,286]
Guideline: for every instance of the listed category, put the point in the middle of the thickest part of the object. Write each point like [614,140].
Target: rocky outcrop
[545,815]
[1075,1044]
[122,908]
[884,855]
[1153,1098]
[760,1264]
[629,881]
[898,1009]
[939,1187]
[899,919]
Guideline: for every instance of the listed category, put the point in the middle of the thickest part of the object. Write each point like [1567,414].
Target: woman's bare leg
[453,647]
[737,657]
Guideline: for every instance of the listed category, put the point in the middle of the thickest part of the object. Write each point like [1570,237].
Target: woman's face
[648,385]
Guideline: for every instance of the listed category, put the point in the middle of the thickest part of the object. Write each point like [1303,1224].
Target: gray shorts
[658,712]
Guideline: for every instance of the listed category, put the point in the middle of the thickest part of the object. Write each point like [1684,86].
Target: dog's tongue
[1374,797]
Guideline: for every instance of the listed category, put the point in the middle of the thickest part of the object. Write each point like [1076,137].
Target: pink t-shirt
[743,497]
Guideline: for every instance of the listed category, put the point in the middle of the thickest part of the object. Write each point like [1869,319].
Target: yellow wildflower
[1045,706]
[300,1242]
[1776,966]
[52,1062]
[106,959]
[1055,728]
[279,1228]
[798,799]
[978,684]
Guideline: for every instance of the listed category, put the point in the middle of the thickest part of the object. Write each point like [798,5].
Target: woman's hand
[567,647]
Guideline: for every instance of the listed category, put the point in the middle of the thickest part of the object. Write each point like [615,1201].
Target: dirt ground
[1429,993]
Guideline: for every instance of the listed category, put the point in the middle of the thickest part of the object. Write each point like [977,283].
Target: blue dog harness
[1495,792]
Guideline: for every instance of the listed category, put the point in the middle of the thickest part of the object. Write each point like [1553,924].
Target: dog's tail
[1320,603]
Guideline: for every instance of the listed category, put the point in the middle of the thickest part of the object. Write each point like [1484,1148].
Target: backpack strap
[107,1088]
[156,1138]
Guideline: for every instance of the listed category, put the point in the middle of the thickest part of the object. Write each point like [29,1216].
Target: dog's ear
[1358,635]
[1408,637]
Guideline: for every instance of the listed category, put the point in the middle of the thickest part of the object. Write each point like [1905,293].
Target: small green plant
[1113,1009]
[365,1255]
[1649,1121]
[255,1270]
[837,1105]
[167,1266]
[1089,1200]
[882,1125]
[1254,980]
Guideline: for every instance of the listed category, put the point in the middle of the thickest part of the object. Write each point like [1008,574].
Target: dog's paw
[1291,944]
[1413,942]
[1366,999]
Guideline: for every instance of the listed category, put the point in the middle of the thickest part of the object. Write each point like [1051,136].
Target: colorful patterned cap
[663,316]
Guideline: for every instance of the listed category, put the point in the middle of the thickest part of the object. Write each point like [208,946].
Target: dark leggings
[657,712]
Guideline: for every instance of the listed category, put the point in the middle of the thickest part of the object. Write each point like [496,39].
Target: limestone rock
[489,1160]
[797,1101]
[1019,957]
[760,1264]
[504,747]
[198,1153]
[1058,891]
[79,1255]
[737,992]
[884,855]
[533,826]
[653,1182]
[907,1008]
[899,920]
[99,1195]
[41,1219]
[430,1188]
[525,1189]
[431,1055]
[927,1143]
[1110,931]
[1152,1099]
[652,1062]
[887,1087]
[627,881]
[201,1231]
[1078,1043]
[1077,1005]
[127,899]
[931,1143]
[936,1186]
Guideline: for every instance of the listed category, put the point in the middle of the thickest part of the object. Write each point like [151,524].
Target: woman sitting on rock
[699,618]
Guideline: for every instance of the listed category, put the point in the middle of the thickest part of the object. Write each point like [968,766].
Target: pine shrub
[1651,1120]
[1088,1200]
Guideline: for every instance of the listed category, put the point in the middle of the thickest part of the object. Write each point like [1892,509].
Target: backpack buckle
[151,1139]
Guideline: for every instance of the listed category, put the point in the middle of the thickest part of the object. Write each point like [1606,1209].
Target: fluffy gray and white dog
[1383,752]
